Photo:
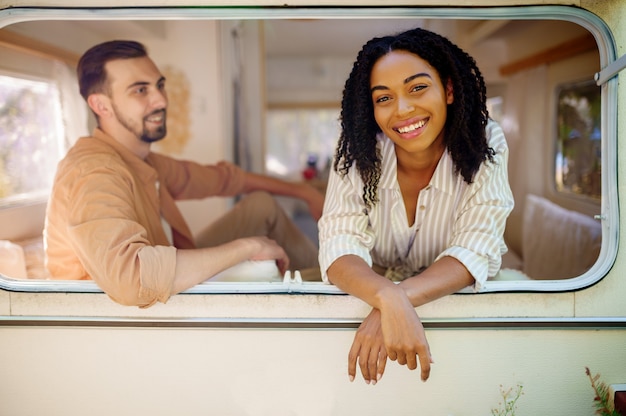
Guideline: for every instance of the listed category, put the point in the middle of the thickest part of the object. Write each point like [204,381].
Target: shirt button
[422,207]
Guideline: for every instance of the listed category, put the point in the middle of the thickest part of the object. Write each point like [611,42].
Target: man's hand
[270,250]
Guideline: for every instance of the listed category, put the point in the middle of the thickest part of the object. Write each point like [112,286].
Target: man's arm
[197,265]
[301,190]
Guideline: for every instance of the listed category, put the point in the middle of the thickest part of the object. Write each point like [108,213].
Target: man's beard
[144,135]
[157,134]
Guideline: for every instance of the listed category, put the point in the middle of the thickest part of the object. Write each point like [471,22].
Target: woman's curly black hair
[467,117]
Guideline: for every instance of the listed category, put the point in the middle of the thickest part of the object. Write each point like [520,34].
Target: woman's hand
[397,333]
[403,333]
[368,349]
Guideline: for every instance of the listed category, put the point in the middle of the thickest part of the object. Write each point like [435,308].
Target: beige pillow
[557,243]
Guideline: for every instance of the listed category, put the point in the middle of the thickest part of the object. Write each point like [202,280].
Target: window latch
[610,70]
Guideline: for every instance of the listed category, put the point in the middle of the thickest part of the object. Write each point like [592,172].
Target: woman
[418,195]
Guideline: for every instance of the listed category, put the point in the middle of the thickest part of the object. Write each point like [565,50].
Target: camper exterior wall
[266,354]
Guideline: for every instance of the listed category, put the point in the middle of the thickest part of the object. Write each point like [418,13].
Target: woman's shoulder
[495,136]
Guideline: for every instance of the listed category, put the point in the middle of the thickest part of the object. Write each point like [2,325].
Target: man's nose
[159,98]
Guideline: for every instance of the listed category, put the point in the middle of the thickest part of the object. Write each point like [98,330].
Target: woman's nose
[405,106]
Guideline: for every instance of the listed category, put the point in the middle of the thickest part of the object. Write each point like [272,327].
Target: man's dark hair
[467,116]
[92,77]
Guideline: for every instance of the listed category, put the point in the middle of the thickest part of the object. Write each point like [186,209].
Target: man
[112,215]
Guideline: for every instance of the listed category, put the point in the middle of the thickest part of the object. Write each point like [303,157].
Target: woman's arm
[393,327]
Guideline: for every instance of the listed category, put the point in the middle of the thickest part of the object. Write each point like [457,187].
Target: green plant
[508,406]
[602,399]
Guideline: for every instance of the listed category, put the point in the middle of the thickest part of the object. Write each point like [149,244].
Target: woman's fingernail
[351,377]
[378,377]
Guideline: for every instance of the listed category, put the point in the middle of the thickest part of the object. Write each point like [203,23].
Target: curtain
[75,113]
[525,124]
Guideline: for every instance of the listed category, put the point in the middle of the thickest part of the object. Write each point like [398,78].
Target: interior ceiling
[344,37]
[338,37]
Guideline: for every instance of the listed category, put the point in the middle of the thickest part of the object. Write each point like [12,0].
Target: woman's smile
[411,129]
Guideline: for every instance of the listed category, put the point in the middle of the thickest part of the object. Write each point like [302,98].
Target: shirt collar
[444,178]
[142,168]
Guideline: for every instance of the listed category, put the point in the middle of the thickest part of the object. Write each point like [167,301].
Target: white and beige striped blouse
[453,218]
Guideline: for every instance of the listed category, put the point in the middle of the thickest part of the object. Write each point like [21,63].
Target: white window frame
[609,209]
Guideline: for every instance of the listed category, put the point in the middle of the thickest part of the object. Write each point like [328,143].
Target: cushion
[557,243]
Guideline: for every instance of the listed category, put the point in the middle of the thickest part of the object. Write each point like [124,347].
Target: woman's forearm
[444,277]
[354,276]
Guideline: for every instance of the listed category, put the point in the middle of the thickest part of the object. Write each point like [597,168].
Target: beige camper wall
[611,291]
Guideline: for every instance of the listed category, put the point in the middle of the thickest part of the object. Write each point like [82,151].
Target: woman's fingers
[411,359]
[368,350]
[353,356]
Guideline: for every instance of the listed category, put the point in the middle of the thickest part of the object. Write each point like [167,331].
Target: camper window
[31,138]
[262,87]
[578,165]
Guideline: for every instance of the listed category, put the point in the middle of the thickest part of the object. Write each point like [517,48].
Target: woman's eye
[418,88]
[381,99]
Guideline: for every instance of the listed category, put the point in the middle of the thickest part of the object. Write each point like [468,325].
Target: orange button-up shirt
[103,220]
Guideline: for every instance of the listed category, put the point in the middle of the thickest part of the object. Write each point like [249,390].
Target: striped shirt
[453,218]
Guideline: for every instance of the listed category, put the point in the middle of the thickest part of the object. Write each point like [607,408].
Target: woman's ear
[449,92]
[99,104]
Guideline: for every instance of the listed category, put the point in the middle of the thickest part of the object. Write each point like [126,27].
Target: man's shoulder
[91,146]
[89,152]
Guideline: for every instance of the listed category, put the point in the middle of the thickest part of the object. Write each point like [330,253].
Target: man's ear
[449,92]
[99,104]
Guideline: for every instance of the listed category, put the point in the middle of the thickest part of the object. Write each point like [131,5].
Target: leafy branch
[602,399]
[509,404]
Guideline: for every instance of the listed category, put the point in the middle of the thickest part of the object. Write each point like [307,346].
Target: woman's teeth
[411,127]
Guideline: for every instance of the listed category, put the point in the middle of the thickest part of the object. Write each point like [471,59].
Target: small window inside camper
[301,141]
[578,164]
[31,138]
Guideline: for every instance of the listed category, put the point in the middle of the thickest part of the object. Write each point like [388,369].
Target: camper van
[259,83]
